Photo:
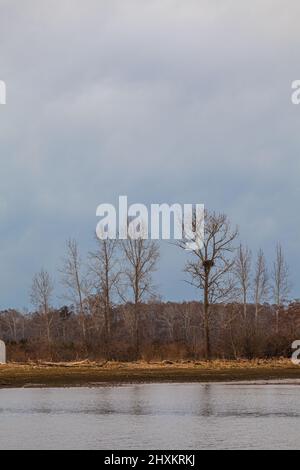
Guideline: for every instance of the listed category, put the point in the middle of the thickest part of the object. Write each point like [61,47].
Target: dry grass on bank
[92,374]
[107,365]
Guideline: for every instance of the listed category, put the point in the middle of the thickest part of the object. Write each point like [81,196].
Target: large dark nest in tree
[208,264]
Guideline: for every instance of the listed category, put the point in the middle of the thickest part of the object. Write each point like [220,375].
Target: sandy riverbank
[89,374]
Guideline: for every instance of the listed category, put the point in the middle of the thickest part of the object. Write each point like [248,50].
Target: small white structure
[2,352]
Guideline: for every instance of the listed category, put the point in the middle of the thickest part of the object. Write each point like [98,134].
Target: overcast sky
[161,100]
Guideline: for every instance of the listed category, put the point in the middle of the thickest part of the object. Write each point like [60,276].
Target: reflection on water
[161,416]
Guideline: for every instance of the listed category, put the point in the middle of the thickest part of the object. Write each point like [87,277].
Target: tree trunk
[256,316]
[206,323]
[136,329]
[277,320]
[107,313]
[245,306]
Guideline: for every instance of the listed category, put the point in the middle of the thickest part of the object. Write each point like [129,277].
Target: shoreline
[95,374]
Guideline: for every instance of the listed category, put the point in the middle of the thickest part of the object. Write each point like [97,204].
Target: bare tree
[105,273]
[261,286]
[41,296]
[242,271]
[14,323]
[74,281]
[211,264]
[141,258]
[281,283]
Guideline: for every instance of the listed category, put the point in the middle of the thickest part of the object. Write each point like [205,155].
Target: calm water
[152,417]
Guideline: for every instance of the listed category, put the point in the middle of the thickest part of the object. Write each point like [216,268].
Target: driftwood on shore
[71,364]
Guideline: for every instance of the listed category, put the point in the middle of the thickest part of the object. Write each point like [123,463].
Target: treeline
[169,331]
[112,311]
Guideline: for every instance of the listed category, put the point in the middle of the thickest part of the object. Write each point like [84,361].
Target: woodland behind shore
[112,310]
[168,331]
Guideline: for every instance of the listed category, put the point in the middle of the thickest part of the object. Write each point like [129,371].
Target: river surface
[159,416]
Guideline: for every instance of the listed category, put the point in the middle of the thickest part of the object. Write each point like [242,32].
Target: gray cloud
[163,101]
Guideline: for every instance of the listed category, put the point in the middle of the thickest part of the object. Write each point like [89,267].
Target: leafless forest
[112,311]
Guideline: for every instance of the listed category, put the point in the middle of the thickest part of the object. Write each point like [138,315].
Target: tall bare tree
[211,265]
[105,273]
[14,322]
[280,282]
[41,296]
[141,258]
[261,288]
[242,271]
[74,281]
